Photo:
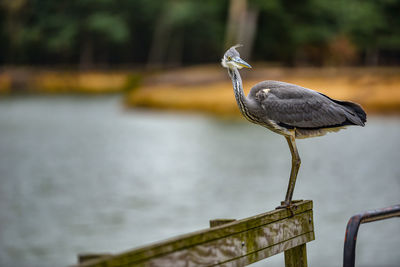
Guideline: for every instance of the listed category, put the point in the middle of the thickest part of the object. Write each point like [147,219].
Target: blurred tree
[58,28]
[12,27]
[160,33]
[185,25]
[295,31]
[241,25]
[102,28]
[374,27]
[363,20]
[389,37]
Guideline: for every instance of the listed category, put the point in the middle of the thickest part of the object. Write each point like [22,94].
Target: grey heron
[290,110]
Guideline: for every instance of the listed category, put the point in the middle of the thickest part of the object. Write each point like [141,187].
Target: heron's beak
[241,62]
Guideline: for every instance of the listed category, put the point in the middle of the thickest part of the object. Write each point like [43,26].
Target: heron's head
[232,59]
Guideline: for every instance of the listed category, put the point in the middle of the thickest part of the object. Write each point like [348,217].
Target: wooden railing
[226,243]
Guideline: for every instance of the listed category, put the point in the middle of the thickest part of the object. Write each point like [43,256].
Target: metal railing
[349,253]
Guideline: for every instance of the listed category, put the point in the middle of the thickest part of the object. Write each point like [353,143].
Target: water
[82,174]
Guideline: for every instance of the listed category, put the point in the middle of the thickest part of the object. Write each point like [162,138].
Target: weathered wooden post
[84,257]
[218,222]
[296,257]
[228,242]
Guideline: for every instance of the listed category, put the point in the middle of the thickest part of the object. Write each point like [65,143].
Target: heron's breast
[260,119]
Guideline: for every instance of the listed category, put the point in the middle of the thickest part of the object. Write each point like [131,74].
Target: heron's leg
[293,173]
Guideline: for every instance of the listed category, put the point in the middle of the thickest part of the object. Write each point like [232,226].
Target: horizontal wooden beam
[239,242]
[91,256]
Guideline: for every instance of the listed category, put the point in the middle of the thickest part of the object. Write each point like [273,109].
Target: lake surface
[81,174]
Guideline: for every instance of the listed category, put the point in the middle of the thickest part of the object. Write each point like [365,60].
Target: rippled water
[83,175]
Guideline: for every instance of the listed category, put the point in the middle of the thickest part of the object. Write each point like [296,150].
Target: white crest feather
[237,46]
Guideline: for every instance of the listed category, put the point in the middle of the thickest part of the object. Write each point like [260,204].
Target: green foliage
[290,28]
[109,31]
[112,27]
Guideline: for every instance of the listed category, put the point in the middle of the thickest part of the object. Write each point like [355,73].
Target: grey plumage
[306,111]
[290,110]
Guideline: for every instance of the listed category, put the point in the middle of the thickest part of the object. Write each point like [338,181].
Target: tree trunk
[248,32]
[241,26]
[86,56]
[237,14]
[175,51]
[159,44]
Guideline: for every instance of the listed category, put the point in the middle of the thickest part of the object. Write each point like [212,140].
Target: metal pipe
[349,253]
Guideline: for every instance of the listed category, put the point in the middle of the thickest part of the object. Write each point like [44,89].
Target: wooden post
[228,242]
[218,222]
[296,257]
[85,257]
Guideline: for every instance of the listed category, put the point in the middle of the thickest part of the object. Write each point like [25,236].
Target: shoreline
[207,88]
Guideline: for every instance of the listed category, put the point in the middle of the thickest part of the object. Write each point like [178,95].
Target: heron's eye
[229,58]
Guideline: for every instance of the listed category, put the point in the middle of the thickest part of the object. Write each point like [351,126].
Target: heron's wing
[296,106]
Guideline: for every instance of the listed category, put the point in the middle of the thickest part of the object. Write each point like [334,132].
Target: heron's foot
[291,206]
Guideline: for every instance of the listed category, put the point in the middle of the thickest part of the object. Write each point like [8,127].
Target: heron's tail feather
[356,111]
[355,114]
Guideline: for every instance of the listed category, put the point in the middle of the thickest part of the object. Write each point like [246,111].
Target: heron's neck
[238,90]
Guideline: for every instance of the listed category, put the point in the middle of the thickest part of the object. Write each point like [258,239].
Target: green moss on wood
[296,257]
[242,241]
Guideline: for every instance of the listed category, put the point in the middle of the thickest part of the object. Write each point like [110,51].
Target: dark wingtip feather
[360,112]
[356,108]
